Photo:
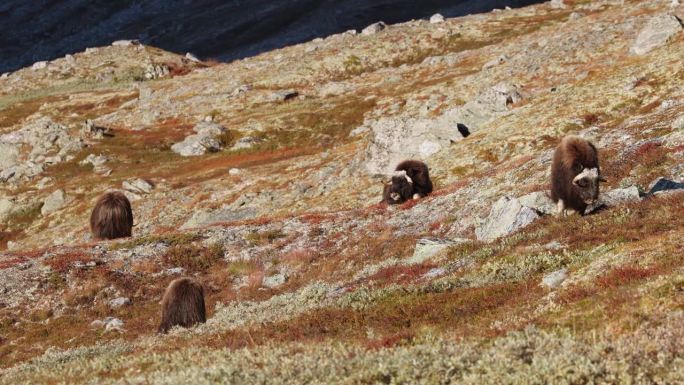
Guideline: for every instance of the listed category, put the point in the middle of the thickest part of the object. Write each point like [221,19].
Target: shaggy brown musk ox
[399,189]
[575,175]
[182,305]
[419,174]
[112,216]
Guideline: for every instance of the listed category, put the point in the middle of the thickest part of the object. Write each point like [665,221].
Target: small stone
[436,18]
[125,43]
[678,124]
[429,247]
[113,324]
[4,75]
[139,186]
[553,280]
[374,28]
[540,201]
[192,57]
[657,32]
[53,202]
[558,4]
[274,280]
[434,273]
[39,65]
[118,302]
[234,171]
[97,324]
[175,271]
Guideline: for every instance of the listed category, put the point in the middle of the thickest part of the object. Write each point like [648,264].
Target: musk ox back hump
[112,217]
[575,173]
[182,305]
[419,173]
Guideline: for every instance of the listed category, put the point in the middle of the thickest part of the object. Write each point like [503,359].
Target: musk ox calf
[411,180]
[182,305]
[112,217]
[575,175]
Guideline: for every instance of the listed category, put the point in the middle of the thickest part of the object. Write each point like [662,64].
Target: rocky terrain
[262,178]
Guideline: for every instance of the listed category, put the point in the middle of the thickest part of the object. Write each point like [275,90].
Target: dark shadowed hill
[46,29]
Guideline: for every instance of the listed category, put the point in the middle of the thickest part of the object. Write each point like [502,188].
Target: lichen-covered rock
[138,186]
[620,196]
[555,279]
[374,28]
[53,202]
[540,201]
[206,140]
[657,32]
[507,216]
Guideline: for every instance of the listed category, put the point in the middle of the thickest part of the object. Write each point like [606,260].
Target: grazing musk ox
[575,175]
[399,189]
[182,305]
[411,180]
[419,173]
[112,216]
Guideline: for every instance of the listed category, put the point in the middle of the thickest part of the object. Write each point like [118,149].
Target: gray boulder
[274,280]
[507,216]
[678,124]
[206,140]
[138,186]
[429,247]
[657,32]
[617,197]
[540,201]
[374,28]
[53,202]
[118,302]
[9,155]
[436,18]
[555,279]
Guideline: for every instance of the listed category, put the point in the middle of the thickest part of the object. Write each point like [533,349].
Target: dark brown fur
[399,186]
[419,173]
[572,155]
[112,217]
[182,305]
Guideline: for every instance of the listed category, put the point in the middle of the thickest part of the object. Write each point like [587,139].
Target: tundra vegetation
[307,279]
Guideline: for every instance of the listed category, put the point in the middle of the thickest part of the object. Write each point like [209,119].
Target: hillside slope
[308,278]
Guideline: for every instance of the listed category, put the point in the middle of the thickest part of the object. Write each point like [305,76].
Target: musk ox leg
[417,196]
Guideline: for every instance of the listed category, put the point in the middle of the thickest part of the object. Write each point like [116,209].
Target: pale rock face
[374,28]
[555,279]
[53,202]
[436,18]
[657,32]
[396,138]
[204,141]
[507,216]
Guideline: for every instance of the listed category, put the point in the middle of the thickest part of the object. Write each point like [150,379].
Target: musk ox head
[399,189]
[586,184]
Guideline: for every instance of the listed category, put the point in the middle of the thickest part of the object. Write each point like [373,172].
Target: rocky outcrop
[54,202]
[507,216]
[206,139]
[657,32]
[396,138]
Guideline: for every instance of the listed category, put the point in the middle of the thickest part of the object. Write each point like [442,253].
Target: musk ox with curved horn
[182,305]
[399,189]
[419,174]
[112,216]
[575,175]
[411,180]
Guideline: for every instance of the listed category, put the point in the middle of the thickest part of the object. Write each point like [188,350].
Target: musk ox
[112,217]
[419,174]
[182,305]
[399,189]
[575,175]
